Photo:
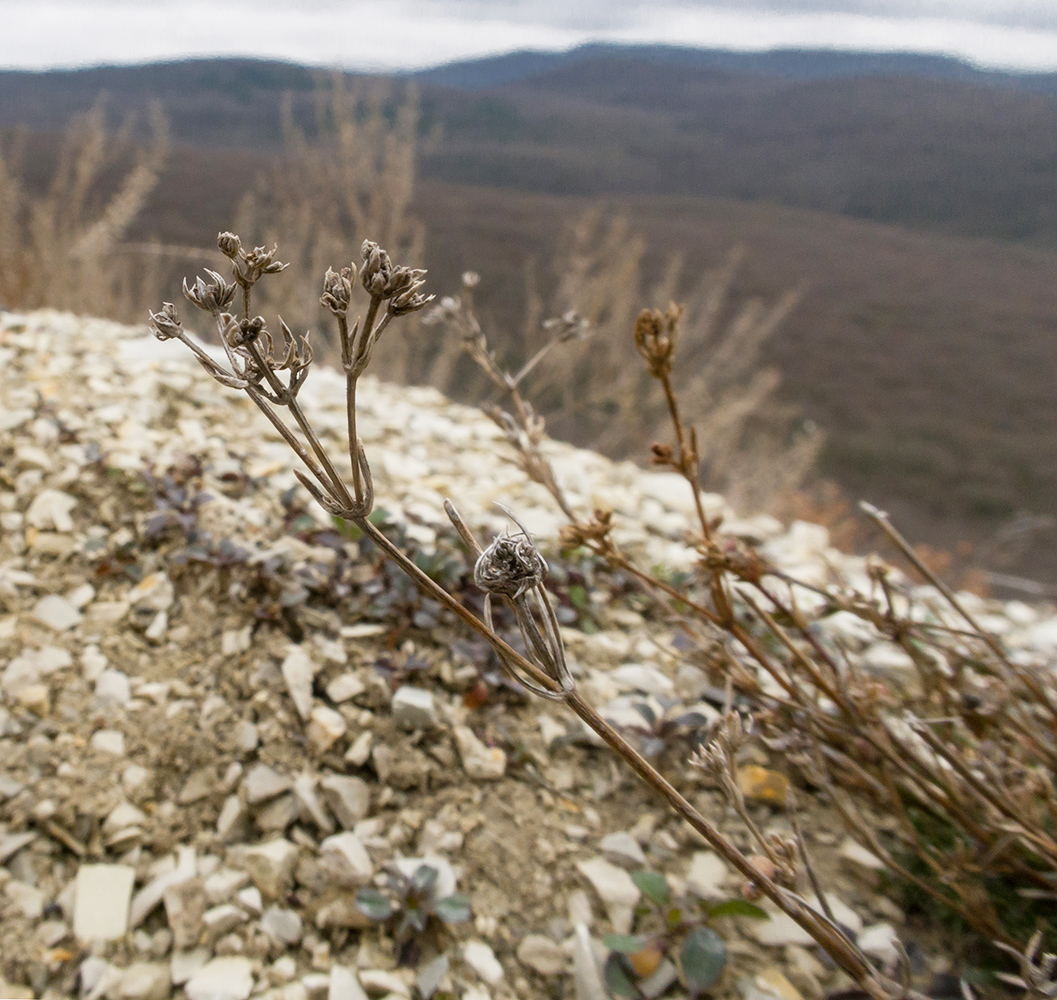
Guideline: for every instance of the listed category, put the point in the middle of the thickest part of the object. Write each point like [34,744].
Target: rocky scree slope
[221,714]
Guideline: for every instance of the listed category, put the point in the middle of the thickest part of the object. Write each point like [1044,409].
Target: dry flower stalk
[970,747]
[510,568]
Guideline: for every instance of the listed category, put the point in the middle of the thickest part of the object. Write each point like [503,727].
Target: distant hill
[916,197]
[788,64]
[920,141]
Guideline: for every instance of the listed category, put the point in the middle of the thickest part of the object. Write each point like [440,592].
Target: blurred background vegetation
[872,238]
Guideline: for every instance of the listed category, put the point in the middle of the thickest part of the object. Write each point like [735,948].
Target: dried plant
[509,569]
[64,248]
[755,451]
[351,174]
[961,755]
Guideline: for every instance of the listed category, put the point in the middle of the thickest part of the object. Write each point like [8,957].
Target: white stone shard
[298,672]
[226,978]
[102,901]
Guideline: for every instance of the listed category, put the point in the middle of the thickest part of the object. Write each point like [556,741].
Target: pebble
[446,878]
[12,843]
[185,907]
[348,798]
[226,978]
[102,899]
[480,957]
[145,981]
[298,672]
[26,899]
[414,708]
[344,985]
[113,688]
[109,741]
[707,875]
[879,941]
[345,858]
[587,975]
[378,982]
[50,510]
[542,955]
[271,866]
[774,982]
[263,783]
[325,727]
[623,849]
[758,784]
[56,612]
[615,888]
[308,803]
[640,677]
[344,688]
[283,925]
[479,761]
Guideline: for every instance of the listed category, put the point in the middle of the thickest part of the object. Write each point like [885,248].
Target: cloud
[369,35]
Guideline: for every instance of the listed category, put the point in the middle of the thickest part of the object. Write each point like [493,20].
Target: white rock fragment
[479,761]
[282,924]
[226,978]
[541,954]
[325,727]
[25,899]
[586,972]
[108,741]
[482,960]
[50,511]
[151,894]
[154,592]
[298,672]
[640,677]
[184,964]
[263,783]
[623,849]
[344,688]
[271,866]
[113,688]
[344,985]
[346,860]
[218,920]
[414,708]
[348,798]
[615,888]
[309,805]
[101,903]
[879,941]
[246,736]
[145,981]
[56,612]
[390,985]
[707,876]
[231,820]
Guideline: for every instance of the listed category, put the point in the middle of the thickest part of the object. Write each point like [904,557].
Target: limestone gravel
[191,740]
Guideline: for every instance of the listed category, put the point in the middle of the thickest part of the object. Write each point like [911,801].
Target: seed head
[165,323]
[337,290]
[229,245]
[377,270]
[213,296]
[655,335]
[510,566]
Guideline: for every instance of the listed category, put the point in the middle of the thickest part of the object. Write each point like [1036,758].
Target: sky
[409,34]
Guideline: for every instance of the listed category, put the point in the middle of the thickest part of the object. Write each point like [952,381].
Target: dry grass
[351,174]
[61,243]
[754,450]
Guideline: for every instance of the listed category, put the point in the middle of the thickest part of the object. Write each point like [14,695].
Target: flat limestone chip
[101,903]
[227,978]
[478,760]
[298,672]
[344,985]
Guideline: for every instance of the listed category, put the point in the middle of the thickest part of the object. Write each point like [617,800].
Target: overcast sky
[388,34]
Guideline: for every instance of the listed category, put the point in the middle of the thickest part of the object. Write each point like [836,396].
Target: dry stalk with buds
[962,761]
[509,569]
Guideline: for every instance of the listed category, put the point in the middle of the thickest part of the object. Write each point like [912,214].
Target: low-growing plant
[639,966]
[410,907]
